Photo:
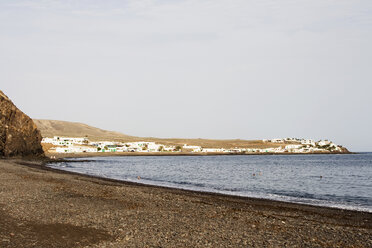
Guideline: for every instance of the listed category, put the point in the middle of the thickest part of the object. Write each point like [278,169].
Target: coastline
[132,214]
[217,194]
[123,154]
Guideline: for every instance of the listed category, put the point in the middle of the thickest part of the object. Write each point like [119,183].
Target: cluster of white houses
[290,145]
[76,145]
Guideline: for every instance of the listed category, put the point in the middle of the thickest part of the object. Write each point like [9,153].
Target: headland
[62,137]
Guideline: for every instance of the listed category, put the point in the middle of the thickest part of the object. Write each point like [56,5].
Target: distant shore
[123,154]
[43,207]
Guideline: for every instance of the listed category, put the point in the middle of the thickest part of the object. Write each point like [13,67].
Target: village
[288,145]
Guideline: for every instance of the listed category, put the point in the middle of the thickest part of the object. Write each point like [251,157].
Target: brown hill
[50,128]
[18,133]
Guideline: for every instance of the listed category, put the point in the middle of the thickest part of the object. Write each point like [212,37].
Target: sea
[339,180]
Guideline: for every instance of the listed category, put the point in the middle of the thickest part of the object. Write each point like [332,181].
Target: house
[89,149]
[248,150]
[292,148]
[153,147]
[134,149]
[214,150]
[65,141]
[324,143]
[308,142]
[192,148]
[235,150]
[75,149]
[110,148]
[169,148]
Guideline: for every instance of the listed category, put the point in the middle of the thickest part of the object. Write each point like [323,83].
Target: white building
[75,149]
[308,142]
[134,149]
[105,143]
[292,148]
[153,147]
[324,143]
[214,150]
[65,141]
[193,148]
[169,148]
[272,150]
[142,146]
[235,150]
[90,149]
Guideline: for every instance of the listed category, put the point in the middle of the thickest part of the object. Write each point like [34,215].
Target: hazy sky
[194,68]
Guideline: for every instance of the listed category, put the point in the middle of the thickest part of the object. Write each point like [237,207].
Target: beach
[44,207]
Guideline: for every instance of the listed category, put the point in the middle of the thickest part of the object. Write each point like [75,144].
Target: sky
[222,69]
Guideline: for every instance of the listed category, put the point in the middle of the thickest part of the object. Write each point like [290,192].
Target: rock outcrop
[19,135]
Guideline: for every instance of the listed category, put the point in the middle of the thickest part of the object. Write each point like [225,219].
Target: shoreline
[43,166]
[114,213]
[114,154]
[217,194]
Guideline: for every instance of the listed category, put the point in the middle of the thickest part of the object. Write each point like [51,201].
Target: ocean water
[341,181]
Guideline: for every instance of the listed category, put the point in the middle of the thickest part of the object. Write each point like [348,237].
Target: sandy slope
[50,128]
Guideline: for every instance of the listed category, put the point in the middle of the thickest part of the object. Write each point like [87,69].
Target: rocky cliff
[19,135]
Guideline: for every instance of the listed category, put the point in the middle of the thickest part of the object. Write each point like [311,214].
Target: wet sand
[42,207]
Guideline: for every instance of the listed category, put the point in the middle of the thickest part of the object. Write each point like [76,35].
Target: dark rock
[19,135]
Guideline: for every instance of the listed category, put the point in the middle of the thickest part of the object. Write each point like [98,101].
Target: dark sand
[41,207]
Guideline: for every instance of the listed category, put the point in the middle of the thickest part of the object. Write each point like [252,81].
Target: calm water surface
[343,181]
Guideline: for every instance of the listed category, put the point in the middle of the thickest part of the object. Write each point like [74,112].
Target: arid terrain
[50,128]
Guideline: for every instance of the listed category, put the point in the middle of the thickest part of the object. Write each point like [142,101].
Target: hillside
[50,128]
